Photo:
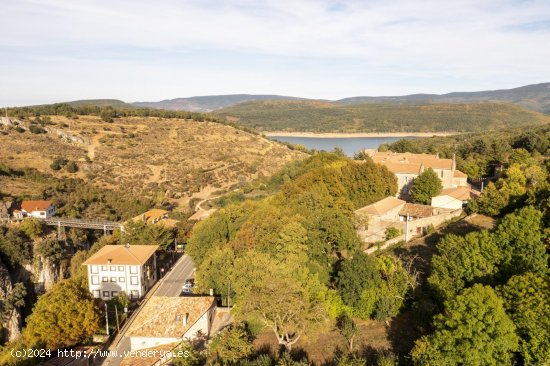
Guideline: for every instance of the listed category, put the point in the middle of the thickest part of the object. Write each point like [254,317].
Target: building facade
[407,166]
[122,268]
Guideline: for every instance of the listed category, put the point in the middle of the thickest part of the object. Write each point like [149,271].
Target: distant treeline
[108,113]
[315,116]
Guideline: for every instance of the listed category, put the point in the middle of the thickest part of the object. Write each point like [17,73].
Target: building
[385,209]
[373,220]
[407,166]
[454,198]
[40,209]
[168,320]
[128,268]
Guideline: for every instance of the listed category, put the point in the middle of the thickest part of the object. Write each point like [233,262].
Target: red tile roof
[31,206]
[415,210]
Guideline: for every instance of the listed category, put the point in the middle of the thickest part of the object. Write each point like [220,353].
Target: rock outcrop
[9,316]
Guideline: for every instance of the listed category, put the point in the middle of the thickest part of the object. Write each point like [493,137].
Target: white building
[128,268]
[39,209]
[454,198]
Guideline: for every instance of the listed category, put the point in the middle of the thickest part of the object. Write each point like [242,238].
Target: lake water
[350,145]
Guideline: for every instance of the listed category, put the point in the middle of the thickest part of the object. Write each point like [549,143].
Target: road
[169,285]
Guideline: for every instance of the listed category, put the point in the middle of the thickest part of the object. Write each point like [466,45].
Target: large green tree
[283,295]
[462,261]
[425,186]
[64,316]
[519,236]
[474,329]
[527,301]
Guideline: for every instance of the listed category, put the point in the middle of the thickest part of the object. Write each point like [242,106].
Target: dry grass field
[176,158]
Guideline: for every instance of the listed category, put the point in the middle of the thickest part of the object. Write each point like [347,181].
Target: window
[94,269]
[134,280]
[105,293]
[442,174]
[96,293]
[95,280]
[121,268]
[105,279]
[103,268]
[114,293]
[113,279]
[121,279]
[134,294]
[112,268]
[133,269]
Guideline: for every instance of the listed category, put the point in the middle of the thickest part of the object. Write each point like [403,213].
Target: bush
[392,232]
[58,163]
[71,167]
[36,129]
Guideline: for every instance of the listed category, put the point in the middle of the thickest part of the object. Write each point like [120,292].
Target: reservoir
[350,145]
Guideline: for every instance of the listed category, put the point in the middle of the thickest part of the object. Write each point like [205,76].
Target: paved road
[172,283]
[169,285]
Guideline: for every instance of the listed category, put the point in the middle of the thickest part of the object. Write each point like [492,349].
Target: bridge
[83,223]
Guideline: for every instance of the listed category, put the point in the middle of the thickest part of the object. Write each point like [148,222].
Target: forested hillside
[314,116]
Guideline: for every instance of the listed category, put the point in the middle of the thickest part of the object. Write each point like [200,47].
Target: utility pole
[117,324]
[407,229]
[106,319]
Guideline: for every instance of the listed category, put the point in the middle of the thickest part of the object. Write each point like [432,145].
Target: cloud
[483,43]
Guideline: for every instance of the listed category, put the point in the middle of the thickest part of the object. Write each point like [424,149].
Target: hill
[208,103]
[535,97]
[316,116]
[115,103]
[164,159]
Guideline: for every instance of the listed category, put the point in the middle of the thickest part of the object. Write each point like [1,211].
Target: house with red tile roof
[41,209]
[407,166]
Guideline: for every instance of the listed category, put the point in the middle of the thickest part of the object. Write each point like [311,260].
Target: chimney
[211,292]
[185,318]
[437,156]
[127,245]
[454,162]
[109,260]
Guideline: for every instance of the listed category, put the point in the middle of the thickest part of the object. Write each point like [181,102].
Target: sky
[138,50]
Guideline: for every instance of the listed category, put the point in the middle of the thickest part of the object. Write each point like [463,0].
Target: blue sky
[137,50]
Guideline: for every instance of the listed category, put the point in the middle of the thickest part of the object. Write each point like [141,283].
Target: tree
[215,272]
[462,261]
[348,329]
[64,316]
[32,227]
[527,301]
[187,355]
[231,345]
[284,296]
[373,286]
[492,201]
[520,240]
[425,186]
[474,329]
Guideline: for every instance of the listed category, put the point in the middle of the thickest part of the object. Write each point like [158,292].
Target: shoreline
[355,134]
